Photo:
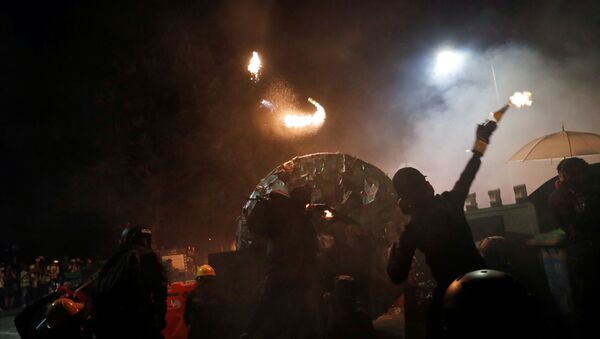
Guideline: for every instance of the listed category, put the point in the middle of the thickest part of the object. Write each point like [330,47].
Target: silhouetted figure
[497,252]
[288,307]
[131,290]
[576,203]
[438,228]
[488,304]
[204,308]
[345,318]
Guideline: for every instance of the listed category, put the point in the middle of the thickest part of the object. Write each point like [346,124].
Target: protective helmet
[61,311]
[405,179]
[137,235]
[486,299]
[205,271]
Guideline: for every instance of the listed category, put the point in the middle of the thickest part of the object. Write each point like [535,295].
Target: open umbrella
[564,144]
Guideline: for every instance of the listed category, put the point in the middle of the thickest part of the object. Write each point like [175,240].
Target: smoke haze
[145,113]
[563,93]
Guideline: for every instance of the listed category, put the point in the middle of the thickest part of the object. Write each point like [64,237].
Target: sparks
[254,67]
[303,120]
[520,99]
[267,104]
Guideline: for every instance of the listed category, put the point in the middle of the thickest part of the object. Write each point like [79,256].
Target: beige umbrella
[563,144]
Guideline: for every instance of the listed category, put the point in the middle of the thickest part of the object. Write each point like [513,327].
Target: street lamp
[447,63]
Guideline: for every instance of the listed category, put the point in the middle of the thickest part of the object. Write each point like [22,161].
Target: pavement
[7,327]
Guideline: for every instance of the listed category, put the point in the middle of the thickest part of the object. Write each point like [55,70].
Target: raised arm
[483,133]
[462,186]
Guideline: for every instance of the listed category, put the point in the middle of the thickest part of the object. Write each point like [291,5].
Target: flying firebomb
[292,119]
[306,120]
[254,67]
[518,100]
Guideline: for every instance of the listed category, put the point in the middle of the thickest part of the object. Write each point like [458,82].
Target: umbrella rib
[569,143]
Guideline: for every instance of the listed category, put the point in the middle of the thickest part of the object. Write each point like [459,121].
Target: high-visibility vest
[25,279]
[53,271]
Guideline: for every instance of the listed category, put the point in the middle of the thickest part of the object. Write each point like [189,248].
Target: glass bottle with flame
[519,99]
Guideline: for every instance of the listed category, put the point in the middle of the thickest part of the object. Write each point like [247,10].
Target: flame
[327,214]
[254,66]
[303,120]
[520,99]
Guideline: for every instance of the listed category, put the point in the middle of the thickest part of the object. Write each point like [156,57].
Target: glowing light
[520,99]
[254,66]
[327,214]
[306,120]
[447,63]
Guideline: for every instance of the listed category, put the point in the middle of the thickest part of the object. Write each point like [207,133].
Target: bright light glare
[447,63]
[520,99]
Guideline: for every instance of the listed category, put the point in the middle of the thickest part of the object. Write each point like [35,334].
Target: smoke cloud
[563,93]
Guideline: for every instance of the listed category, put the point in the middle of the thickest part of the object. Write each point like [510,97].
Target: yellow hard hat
[205,270]
[60,311]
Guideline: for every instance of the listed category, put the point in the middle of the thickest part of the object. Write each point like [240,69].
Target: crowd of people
[21,284]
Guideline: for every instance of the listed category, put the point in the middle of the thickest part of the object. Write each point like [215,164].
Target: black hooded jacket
[131,292]
[442,233]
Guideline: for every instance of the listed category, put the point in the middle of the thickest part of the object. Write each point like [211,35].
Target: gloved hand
[483,133]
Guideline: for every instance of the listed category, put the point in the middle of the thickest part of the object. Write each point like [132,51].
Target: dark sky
[143,112]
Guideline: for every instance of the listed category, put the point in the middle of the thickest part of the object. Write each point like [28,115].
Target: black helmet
[488,304]
[405,179]
[137,235]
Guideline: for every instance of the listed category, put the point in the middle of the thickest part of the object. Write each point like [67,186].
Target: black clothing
[348,322]
[440,230]
[204,311]
[289,303]
[578,211]
[292,239]
[130,296]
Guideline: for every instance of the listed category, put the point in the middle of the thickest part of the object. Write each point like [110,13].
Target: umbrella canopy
[563,144]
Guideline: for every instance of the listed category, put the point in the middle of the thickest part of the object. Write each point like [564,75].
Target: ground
[7,328]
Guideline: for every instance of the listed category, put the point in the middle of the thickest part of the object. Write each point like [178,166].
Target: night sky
[143,112]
